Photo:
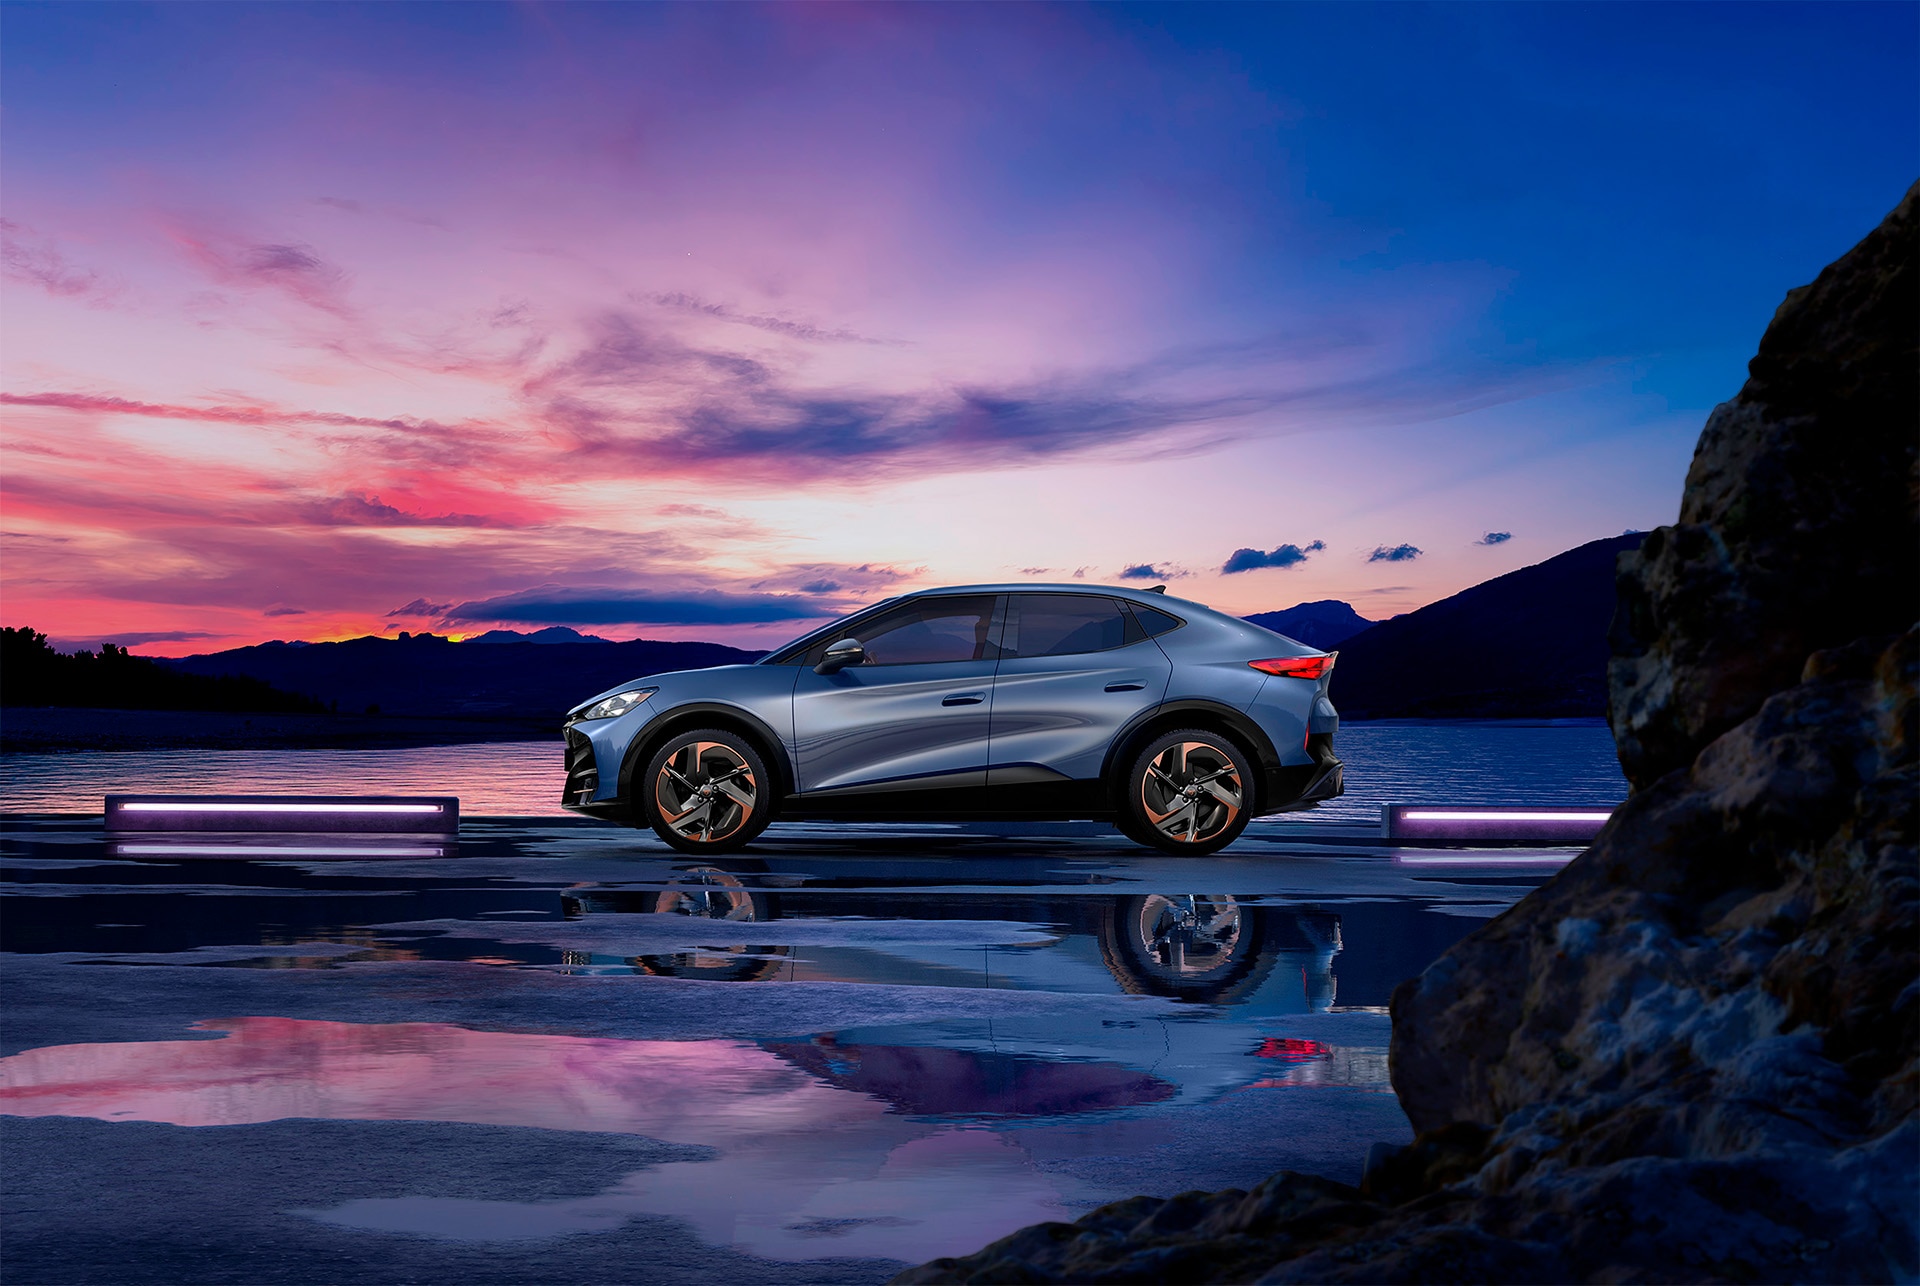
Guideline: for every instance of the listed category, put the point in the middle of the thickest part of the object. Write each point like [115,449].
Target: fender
[1250,733]
[692,715]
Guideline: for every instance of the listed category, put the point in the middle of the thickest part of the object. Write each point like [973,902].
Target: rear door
[915,715]
[1075,668]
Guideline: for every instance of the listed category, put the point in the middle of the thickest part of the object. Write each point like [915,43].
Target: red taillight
[1297,667]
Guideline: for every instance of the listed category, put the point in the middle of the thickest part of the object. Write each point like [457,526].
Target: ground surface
[559,1052]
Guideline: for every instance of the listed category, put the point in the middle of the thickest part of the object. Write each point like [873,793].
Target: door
[1075,668]
[913,716]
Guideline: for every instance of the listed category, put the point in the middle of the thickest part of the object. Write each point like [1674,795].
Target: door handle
[964,699]
[1127,686]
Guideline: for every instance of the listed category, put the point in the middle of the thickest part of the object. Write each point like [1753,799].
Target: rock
[1802,494]
[1695,1054]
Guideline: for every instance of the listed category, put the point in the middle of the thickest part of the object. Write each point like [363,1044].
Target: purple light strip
[280,808]
[263,850]
[1486,859]
[1427,816]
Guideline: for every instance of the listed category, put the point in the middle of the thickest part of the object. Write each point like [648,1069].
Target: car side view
[1173,721]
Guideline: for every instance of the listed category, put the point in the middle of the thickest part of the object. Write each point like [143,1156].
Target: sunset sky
[707,321]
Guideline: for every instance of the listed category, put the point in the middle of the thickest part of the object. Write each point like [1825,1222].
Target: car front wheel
[1188,792]
[705,791]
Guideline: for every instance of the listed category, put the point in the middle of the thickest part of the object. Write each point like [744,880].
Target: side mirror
[840,655]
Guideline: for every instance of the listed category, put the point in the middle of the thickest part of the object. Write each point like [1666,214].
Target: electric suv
[1173,721]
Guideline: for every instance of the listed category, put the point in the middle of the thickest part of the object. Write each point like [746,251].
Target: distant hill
[536,679]
[1323,624]
[1530,644]
[33,674]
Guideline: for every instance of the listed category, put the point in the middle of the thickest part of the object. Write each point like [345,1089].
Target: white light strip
[258,850]
[1531,859]
[280,808]
[1504,817]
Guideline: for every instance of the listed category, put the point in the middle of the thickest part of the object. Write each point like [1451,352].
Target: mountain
[552,634]
[1530,644]
[535,679]
[33,674]
[1323,624]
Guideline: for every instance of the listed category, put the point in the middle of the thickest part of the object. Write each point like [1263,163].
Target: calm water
[1386,763]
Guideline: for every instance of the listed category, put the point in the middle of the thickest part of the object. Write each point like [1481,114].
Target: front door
[912,719]
[1076,668]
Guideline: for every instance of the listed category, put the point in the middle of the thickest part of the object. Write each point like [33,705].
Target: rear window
[1063,624]
[1154,621]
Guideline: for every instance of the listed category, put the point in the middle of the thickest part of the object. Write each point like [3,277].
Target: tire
[706,790]
[1188,792]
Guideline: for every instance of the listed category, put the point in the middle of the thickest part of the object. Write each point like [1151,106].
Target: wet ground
[556,1051]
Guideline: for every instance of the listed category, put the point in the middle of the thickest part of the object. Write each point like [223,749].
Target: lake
[1561,763]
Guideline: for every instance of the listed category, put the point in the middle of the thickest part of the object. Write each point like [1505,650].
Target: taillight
[1297,667]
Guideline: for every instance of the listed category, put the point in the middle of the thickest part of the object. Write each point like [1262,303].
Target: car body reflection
[1199,948]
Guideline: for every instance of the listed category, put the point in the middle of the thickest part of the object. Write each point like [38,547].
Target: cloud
[1397,554]
[134,639]
[1035,571]
[562,605]
[291,268]
[286,611]
[1246,560]
[421,607]
[356,509]
[1143,571]
[1495,538]
[41,263]
[686,303]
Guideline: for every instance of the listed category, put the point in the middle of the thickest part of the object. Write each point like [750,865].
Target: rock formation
[1692,1055]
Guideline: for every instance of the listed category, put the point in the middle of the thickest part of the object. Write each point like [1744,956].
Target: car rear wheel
[1188,792]
[705,791]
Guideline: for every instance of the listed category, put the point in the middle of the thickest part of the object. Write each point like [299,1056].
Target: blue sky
[321,318]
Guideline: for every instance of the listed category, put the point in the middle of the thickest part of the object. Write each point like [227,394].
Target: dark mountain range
[535,679]
[1326,623]
[1530,644]
[33,674]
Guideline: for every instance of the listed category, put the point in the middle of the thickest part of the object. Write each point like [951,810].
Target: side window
[1063,624]
[1154,621]
[923,632]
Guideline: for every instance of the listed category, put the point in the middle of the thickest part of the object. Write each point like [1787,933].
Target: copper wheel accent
[1191,792]
[705,792]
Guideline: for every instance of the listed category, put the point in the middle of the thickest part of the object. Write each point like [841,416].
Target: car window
[922,632]
[1063,624]
[1154,621]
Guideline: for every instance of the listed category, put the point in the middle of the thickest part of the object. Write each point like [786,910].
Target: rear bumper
[1298,786]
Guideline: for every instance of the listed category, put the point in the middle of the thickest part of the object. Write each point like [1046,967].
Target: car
[1017,702]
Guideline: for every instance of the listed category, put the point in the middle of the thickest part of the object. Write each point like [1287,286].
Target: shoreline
[75,730]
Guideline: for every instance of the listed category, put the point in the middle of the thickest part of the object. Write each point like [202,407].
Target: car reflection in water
[1264,961]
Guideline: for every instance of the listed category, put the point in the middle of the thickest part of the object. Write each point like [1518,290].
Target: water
[1556,764]
[550,1047]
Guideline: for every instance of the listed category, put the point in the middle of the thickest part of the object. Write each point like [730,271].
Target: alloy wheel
[1191,792]
[706,792]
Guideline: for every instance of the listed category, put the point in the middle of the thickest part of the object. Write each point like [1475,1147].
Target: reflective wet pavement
[559,1051]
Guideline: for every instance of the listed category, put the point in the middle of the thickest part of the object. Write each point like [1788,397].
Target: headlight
[618,704]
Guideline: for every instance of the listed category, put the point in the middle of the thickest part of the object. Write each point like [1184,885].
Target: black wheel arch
[710,714]
[1192,712]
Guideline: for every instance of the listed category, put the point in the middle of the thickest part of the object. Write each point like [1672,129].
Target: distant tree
[32,673]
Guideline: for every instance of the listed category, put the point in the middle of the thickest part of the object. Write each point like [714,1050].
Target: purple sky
[707,321]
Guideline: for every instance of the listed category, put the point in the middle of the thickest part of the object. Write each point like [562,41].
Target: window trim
[799,650]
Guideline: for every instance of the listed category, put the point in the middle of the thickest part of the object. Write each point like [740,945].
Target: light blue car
[1173,721]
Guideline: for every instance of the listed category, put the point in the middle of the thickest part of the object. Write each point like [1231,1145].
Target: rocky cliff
[1692,1055]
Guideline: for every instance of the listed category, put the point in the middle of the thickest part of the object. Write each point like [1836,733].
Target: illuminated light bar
[300,814]
[267,850]
[1506,816]
[1296,667]
[1483,859]
[279,808]
[1490,824]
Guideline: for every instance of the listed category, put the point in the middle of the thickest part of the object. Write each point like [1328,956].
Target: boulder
[1692,1055]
